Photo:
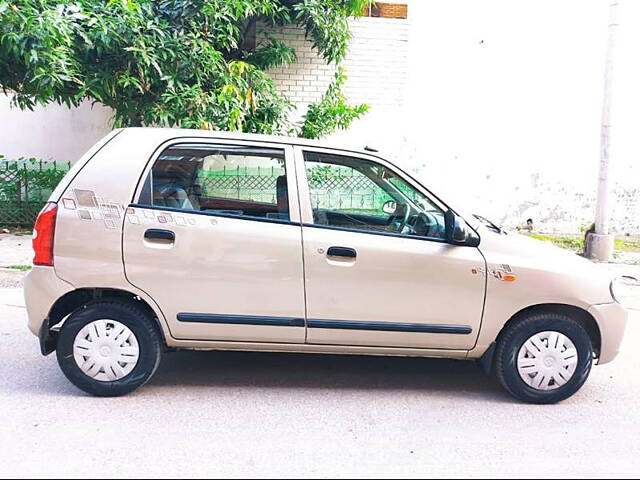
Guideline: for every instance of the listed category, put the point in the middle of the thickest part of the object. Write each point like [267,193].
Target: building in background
[493,101]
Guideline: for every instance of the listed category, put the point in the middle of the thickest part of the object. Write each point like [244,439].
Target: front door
[378,271]
[214,238]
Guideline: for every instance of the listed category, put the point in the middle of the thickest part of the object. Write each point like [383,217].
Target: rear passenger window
[220,179]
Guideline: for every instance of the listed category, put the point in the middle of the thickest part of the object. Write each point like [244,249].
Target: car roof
[170,133]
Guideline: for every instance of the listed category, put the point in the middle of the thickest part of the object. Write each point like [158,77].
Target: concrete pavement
[248,414]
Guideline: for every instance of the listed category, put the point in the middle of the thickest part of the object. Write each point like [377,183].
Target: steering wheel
[404,218]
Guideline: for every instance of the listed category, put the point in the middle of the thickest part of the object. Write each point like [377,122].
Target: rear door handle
[158,234]
[342,252]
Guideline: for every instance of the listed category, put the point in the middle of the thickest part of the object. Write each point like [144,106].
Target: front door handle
[342,252]
[158,234]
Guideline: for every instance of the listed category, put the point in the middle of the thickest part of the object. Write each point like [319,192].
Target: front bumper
[611,319]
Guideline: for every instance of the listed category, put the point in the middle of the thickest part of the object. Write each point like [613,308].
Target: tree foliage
[187,63]
[332,112]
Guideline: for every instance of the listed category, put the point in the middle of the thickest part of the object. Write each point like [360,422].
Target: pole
[601,243]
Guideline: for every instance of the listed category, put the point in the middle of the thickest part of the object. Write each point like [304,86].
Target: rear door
[214,237]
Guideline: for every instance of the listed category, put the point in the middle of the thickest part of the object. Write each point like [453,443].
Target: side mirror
[457,231]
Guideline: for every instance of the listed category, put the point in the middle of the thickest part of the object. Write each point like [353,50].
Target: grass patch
[575,244]
[627,245]
[22,268]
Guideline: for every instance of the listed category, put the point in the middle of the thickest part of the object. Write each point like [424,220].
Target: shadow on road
[286,370]
[39,375]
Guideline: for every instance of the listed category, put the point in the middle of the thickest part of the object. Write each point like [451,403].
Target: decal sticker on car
[91,207]
[501,272]
[504,273]
[148,217]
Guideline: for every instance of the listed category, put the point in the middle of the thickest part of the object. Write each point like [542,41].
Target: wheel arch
[76,299]
[583,317]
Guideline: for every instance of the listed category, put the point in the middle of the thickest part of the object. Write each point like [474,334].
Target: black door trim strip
[327,324]
[241,320]
[389,326]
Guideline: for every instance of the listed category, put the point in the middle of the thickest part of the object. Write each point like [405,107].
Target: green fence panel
[25,186]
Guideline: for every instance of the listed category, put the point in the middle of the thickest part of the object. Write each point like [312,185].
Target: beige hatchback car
[161,239]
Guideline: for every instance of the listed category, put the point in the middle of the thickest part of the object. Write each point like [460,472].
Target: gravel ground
[216,414]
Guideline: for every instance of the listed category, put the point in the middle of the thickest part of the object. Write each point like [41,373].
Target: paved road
[245,414]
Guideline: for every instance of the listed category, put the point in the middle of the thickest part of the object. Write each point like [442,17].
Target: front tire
[109,349]
[543,358]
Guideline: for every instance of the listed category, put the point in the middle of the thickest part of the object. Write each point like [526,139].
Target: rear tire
[109,349]
[543,358]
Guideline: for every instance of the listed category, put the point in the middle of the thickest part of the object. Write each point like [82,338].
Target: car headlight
[624,288]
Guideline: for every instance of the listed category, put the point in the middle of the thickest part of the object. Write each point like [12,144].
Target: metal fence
[353,192]
[25,186]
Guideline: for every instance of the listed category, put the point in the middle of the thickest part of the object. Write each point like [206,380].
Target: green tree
[332,112]
[186,63]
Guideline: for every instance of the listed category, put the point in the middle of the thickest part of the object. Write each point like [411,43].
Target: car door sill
[253,346]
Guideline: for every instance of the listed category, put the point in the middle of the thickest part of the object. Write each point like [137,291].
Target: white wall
[52,133]
[510,103]
[503,105]
[376,66]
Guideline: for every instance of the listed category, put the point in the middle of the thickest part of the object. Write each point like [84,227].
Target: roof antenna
[370,149]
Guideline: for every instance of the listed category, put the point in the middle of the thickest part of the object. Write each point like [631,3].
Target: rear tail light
[43,233]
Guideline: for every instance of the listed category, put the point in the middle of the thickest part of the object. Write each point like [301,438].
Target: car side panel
[555,277]
[41,290]
[91,204]
[88,246]
[221,271]
[393,282]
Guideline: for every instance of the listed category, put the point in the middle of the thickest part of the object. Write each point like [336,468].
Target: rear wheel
[109,349]
[544,358]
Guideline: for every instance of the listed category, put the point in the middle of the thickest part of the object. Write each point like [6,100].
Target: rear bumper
[611,319]
[41,290]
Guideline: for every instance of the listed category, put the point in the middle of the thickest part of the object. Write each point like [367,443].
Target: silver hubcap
[106,350]
[547,360]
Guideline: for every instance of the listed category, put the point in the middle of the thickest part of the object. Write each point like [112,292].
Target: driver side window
[357,194]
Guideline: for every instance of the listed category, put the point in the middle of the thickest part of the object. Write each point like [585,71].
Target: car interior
[404,210]
[179,180]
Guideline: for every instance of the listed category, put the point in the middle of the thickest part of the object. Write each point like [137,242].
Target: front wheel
[109,349]
[544,358]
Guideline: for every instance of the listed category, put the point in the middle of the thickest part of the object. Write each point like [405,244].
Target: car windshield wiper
[490,224]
